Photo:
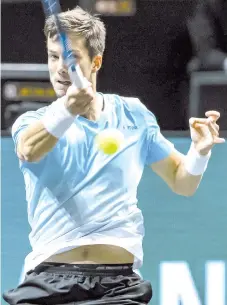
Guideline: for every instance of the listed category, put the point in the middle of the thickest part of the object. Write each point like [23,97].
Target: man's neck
[98,107]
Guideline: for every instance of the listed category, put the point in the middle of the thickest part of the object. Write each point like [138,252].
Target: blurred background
[172,54]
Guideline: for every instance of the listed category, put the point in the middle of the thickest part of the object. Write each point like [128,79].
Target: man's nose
[62,68]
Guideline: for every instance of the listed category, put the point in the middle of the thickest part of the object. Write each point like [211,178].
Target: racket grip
[77,77]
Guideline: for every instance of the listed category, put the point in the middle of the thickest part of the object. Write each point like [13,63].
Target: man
[87,230]
[208,30]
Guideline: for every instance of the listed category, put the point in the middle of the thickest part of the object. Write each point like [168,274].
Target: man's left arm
[183,173]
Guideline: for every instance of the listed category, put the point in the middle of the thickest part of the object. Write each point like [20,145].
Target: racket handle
[77,77]
[74,70]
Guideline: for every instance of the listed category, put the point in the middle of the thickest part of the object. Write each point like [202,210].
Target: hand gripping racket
[53,8]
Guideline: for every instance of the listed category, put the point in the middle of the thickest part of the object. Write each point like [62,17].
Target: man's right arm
[35,137]
[35,142]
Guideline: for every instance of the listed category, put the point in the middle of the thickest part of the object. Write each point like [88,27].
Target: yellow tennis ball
[109,141]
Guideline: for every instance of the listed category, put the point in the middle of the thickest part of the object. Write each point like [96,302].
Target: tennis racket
[53,8]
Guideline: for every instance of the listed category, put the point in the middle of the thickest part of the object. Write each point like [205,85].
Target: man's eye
[52,56]
[75,55]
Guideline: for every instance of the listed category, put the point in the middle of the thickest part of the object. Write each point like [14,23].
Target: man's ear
[96,63]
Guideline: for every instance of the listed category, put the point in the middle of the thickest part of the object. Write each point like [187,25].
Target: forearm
[185,183]
[189,172]
[40,137]
[35,142]
[183,173]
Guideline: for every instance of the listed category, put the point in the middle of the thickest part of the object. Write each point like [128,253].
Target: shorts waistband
[85,269]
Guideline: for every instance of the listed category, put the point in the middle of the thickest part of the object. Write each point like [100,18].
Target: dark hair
[82,24]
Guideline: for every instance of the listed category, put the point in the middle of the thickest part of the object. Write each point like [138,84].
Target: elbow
[185,193]
[188,194]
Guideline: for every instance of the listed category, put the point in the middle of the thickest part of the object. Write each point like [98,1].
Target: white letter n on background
[215,283]
[177,285]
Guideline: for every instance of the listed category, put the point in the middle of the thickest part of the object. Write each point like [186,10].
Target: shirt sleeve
[157,146]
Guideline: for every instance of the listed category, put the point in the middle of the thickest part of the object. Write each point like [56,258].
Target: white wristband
[57,119]
[196,164]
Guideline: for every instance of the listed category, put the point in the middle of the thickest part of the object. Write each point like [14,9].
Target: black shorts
[53,284]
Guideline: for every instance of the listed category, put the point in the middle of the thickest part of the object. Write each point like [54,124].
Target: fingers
[212,116]
[82,96]
[215,115]
[217,126]
[214,130]
[73,91]
[195,121]
[210,122]
[79,101]
[219,140]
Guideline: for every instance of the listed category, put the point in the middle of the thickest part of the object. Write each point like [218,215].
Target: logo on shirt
[130,127]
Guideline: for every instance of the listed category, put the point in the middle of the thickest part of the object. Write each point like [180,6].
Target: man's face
[59,76]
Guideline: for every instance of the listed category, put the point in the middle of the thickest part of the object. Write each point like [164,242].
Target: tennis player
[86,229]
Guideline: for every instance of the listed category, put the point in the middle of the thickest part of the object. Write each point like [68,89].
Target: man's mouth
[65,83]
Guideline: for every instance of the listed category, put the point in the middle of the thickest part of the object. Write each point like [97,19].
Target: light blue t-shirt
[77,195]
